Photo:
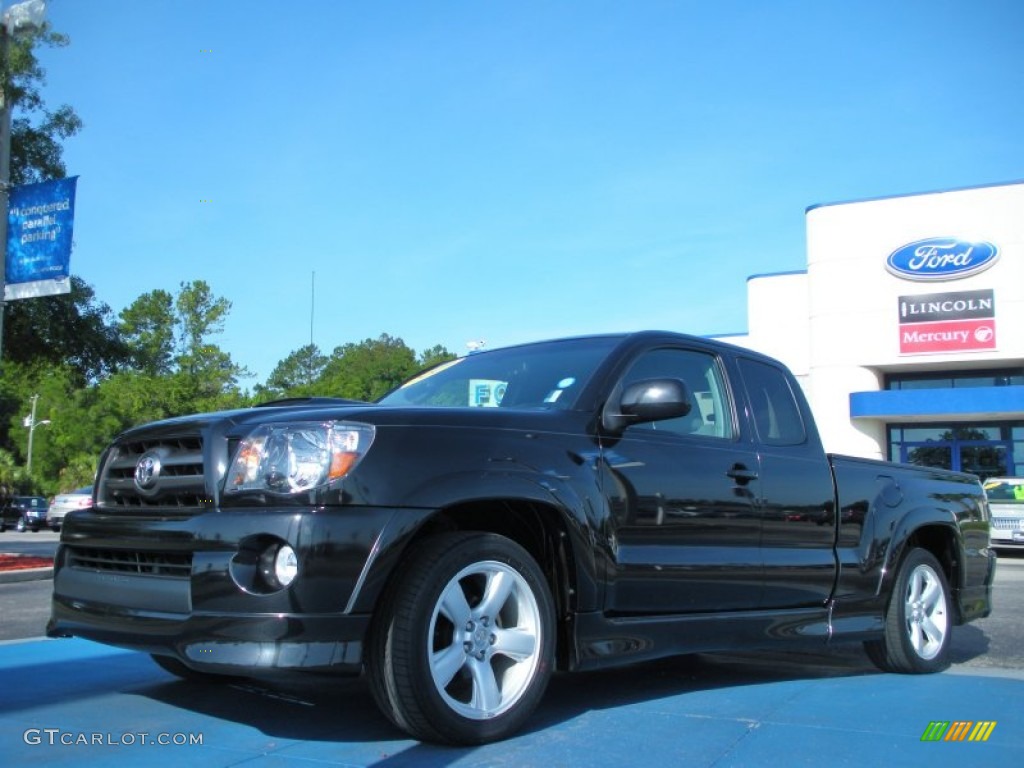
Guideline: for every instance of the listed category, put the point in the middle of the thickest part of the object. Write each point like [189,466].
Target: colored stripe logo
[958,730]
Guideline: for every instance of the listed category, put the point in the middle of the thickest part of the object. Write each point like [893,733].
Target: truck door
[799,527]
[683,492]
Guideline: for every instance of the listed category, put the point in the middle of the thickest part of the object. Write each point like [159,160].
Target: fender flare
[906,526]
[496,485]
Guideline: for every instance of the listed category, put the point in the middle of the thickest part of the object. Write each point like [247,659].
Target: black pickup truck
[571,504]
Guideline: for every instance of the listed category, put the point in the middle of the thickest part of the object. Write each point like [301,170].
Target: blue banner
[39,227]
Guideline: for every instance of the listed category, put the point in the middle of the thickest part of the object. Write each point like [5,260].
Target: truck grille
[174,565]
[1005,523]
[170,470]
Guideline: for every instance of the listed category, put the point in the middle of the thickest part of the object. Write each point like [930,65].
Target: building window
[956,380]
[990,449]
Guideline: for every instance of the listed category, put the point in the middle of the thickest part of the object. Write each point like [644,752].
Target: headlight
[296,457]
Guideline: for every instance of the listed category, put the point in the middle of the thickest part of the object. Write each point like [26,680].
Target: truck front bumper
[193,588]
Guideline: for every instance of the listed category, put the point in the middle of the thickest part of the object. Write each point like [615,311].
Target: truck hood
[326,409]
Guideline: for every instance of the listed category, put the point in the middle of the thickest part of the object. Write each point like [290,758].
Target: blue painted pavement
[72,702]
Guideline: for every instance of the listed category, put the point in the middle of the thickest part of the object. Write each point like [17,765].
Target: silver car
[1006,500]
[80,498]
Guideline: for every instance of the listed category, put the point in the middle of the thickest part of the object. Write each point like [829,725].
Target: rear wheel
[463,645]
[918,621]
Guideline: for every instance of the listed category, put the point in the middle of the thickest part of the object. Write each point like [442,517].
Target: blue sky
[507,171]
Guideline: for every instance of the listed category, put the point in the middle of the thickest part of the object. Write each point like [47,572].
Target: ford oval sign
[941,258]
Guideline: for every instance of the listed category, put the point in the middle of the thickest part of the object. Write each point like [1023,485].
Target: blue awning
[988,403]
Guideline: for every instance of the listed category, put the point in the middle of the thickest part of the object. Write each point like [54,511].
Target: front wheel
[463,645]
[918,621]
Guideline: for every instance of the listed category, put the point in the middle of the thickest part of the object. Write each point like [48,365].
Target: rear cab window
[774,408]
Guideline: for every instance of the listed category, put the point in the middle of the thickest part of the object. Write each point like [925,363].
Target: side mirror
[648,400]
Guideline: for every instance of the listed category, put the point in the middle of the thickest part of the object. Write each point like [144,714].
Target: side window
[710,413]
[775,410]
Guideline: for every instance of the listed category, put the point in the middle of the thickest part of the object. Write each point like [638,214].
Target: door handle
[741,474]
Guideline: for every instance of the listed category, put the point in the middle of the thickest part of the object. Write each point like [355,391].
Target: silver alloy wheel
[927,618]
[484,644]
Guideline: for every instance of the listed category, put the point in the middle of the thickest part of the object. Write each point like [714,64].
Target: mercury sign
[947,322]
[941,258]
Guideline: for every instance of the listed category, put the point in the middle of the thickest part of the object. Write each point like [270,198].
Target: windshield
[546,375]
[1004,490]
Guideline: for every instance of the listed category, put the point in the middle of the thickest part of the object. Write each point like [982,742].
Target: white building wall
[854,299]
[777,313]
[838,325]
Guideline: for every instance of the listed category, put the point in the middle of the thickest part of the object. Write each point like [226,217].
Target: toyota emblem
[147,471]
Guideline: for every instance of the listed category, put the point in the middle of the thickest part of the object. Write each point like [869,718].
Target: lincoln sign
[947,322]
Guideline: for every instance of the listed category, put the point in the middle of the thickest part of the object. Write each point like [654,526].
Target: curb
[26,574]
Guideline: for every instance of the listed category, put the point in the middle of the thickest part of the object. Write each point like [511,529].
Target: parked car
[80,498]
[24,513]
[570,505]
[1006,500]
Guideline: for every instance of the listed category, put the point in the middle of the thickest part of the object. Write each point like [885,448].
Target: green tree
[207,377]
[9,476]
[37,326]
[37,130]
[74,329]
[71,333]
[170,347]
[56,388]
[368,370]
[295,376]
[147,329]
[435,355]
[200,315]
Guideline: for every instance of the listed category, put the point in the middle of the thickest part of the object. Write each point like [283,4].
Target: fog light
[279,566]
[286,566]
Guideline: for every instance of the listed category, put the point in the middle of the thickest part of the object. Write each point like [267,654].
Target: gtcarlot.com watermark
[58,737]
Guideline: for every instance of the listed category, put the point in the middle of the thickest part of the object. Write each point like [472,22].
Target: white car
[80,498]
[1006,500]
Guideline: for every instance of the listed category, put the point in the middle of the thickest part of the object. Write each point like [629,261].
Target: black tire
[20,525]
[918,620]
[176,668]
[463,643]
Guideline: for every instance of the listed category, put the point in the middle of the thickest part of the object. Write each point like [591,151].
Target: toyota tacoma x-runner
[565,505]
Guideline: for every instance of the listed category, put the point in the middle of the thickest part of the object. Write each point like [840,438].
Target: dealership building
[906,330]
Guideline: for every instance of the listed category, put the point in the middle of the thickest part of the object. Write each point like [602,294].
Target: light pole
[21,17]
[31,423]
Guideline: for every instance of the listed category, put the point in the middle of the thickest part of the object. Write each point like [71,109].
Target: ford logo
[941,258]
